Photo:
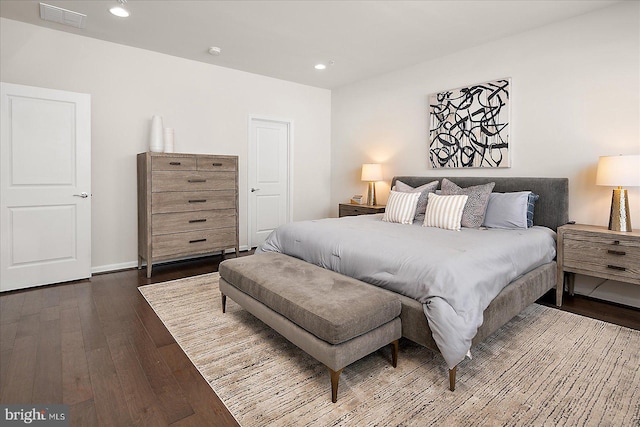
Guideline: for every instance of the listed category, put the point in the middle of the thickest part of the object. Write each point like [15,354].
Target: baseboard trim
[114,267]
[134,264]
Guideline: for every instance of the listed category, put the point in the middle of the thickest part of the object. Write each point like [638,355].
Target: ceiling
[285,39]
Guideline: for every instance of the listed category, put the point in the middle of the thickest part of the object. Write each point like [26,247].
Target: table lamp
[371,172]
[619,171]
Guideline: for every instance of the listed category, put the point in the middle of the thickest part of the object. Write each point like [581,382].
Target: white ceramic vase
[168,140]
[156,142]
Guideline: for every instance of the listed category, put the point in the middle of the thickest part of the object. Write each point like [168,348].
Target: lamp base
[620,217]
[371,195]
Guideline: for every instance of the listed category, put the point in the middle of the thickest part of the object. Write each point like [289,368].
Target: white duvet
[454,274]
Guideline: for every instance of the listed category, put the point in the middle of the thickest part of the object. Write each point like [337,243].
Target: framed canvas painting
[469,126]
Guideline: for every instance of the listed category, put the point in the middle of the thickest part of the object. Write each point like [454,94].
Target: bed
[448,319]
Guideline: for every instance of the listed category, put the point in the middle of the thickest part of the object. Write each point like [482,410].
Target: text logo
[34,415]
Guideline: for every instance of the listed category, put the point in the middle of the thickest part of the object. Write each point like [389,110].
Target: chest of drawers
[597,251]
[187,206]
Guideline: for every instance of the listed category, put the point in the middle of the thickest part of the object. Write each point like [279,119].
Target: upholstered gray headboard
[552,208]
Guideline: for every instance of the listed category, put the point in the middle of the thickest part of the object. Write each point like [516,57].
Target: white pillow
[507,210]
[401,207]
[445,211]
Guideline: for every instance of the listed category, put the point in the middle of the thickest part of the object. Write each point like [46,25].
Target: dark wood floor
[97,346]
[597,309]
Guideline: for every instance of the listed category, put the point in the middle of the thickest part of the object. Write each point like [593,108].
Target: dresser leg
[560,281]
[149,269]
[571,282]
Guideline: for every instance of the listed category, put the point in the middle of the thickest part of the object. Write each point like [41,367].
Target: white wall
[207,105]
[575,97]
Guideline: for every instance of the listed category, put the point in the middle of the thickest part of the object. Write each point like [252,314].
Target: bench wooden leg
[394,354]
[224,302]
[335,376]
[452,378]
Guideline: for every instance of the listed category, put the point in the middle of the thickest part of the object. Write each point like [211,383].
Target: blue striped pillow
[531,204]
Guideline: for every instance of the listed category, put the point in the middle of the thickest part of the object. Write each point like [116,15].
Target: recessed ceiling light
[119,10]
[320,66]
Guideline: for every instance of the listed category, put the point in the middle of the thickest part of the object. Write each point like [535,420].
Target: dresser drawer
[193,242]
[166,163]
[354,210]
[192,181]
[617,240]
[187,201]
[215,163]
[602,256]
[167,223]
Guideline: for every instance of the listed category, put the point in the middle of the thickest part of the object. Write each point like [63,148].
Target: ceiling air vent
[62,16]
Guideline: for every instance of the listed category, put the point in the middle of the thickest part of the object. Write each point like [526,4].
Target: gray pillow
[476,207]
[507,210]
[424,196]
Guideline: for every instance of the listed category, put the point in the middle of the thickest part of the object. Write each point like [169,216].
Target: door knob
[253,190]
[84,195]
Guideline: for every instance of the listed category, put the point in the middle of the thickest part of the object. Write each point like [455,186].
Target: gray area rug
[544,368]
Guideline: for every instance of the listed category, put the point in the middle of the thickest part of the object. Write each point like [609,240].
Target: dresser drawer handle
[615,267]
[197,180]
[175,163]
[198,201]
[191,221]
[612,252]
[216,164]
[616,242]
[197,240]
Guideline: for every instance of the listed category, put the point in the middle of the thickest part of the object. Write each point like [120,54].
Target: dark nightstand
[596,251]
[346,209]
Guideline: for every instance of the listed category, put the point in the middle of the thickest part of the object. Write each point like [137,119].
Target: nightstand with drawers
[348,209]
[596,251]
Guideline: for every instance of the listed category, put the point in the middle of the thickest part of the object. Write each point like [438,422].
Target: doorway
[269,178]
[45,190]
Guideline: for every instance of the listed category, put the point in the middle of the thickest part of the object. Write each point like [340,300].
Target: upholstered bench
[334,318]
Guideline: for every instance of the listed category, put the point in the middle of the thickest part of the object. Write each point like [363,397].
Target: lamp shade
[619,171]
[371,172]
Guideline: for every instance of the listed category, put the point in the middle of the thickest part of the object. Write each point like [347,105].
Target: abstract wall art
[469,126]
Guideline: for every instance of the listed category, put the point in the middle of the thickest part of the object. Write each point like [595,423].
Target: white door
[45,189]
[269,177]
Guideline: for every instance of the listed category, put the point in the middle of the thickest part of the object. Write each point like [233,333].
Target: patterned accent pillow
[401,207]
[445,211]
[531,205]
[424,191]
[474,210]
